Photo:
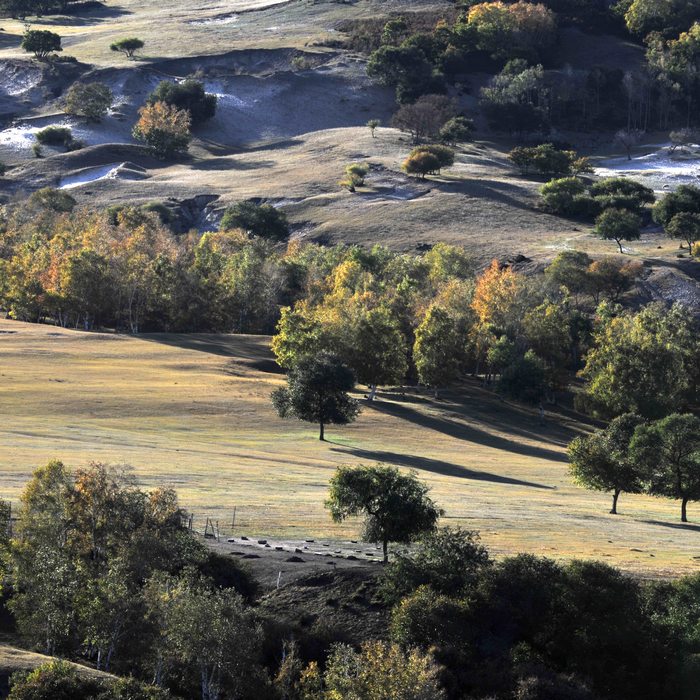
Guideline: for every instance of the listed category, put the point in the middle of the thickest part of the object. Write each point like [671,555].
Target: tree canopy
[396,506]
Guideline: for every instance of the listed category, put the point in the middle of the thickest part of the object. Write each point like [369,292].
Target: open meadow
[194,412]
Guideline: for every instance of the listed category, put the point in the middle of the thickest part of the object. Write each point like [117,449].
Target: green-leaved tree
[396,506]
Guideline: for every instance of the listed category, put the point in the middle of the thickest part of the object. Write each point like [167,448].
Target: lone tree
[373,124]
[41,42]
[686,227]
[396,506]
[261,220]
[670,451]
[602,461]
[89,100]
[355,174]
[164,128]
[421,163]
[317,392]
[127,46]
[628,139]
[618,225]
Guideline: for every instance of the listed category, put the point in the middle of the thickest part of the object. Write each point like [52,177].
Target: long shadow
[8,40]
[230,164]
[485,189]
[674,526]
[240,347]
[86,19]
[461,431]
[437,466]
[479,404]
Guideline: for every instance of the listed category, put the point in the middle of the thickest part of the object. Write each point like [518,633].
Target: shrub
[54,136]
[90,100]
[41,42]
[456,130]
[622,192]
[355,174]
[56,680]
[421,163]
[52,200]
[164,213]
[261,220]
[546,159]
[558,196]
[127,46]
[164,128]
[444,154]
[685,199]
[448,560]
[188,95]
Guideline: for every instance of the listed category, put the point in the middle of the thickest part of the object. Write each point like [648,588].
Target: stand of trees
[390,318]
[99,569]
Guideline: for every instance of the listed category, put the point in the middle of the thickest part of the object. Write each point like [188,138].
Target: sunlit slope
[194,412]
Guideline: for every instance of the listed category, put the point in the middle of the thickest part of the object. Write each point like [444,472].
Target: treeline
[99,570]
[427,53]
[392,318]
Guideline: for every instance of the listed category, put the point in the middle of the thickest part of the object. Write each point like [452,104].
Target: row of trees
[630,455]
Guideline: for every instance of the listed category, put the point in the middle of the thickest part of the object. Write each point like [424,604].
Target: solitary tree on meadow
[127,46]
[669,449]
[41,42]
[317,392]
[602,461]
[396,506]
[618,225]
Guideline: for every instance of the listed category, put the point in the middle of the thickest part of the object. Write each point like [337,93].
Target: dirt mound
[26,84]
[338,602]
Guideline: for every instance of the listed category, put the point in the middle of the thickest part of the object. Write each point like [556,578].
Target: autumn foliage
[164,128]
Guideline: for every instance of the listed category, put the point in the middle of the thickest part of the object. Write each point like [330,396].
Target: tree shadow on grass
[674,526]
[462,431]
[253,349]
[437,466]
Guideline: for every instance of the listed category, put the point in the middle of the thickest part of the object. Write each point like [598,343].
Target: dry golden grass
[178,29]
[194,412]
[13,659]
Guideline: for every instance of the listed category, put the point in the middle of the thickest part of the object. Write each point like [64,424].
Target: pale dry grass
[179,28]
[194,412]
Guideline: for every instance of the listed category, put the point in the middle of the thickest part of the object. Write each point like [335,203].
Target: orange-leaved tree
[166,129]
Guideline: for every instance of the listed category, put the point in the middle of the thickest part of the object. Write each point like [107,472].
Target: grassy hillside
[193,412]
